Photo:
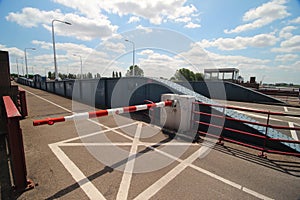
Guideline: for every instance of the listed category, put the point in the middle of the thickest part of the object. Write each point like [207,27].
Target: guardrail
[265,137]
[16,148]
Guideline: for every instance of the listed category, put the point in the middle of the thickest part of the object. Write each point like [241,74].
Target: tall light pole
[26,60]
[133,55]
[23,67]
[53,41]
[80,64]
[17,67]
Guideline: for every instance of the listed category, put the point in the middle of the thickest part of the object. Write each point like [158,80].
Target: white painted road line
[98,132]
[215,176]
[127,174]
[76,144]
[293,132]
[231,183]
[85,184]
[260,196]
[94,193]
[93,144]
[159,184]
[49,101]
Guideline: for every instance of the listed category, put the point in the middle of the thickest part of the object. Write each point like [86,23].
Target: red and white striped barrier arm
[101,113]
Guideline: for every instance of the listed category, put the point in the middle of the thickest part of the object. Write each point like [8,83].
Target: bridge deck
[61,161]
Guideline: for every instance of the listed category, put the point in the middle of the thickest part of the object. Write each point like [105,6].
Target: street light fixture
[133,55]
[53,41]
[80,64]
[26,60]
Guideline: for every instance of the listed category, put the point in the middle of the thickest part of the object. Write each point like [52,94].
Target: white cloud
[286,57]
[291,44]
[82,28]
[156,11]
[146,52]
[68,47]
[183,19]
[42,44]
[32,17]
[12,51]
[196,59]
[262,15]
[133,19]
[114,47]
[192,25]
[200,60]
[237,43]
[286,32]
[146,29]
[159,65]
[296,20]
[94,60]
[290,68]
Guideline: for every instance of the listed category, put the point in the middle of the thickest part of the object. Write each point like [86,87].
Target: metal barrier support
[22,102]
[220,141]
[265,137]
[262,154]
[151,111]
[16,148]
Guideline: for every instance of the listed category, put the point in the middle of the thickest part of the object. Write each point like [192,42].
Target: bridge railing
[265,138]
[16,147]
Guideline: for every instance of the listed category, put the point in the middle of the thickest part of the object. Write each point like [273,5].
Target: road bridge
[60,160]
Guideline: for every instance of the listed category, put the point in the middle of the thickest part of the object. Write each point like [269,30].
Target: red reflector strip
[99,113]
[129,109]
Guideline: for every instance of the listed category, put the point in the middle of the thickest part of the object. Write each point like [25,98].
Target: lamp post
[23,67]
[26,60]
[80,64]
[17,67]
[53,41]
[133,55]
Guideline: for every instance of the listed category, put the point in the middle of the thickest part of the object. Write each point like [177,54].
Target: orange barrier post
[16,148]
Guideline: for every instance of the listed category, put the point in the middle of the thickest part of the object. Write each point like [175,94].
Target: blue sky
[261,38]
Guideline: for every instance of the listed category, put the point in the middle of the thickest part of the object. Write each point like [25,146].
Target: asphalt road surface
[121,158]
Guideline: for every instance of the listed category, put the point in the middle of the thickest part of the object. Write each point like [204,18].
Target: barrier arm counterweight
[101,113]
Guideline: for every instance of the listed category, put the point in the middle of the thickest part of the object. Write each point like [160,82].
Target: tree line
[89,75]
[182,74]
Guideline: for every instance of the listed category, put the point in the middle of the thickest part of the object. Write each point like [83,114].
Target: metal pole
[54,52]
[133,55]
[26,60]
[23,68]
[133,59]
[26,63]
[17,67]
[80,64]
[53,42]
